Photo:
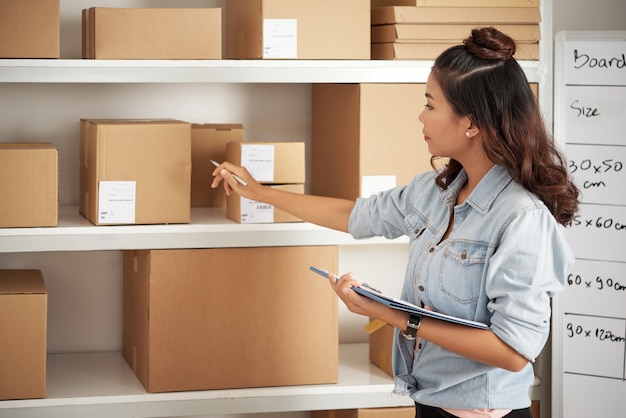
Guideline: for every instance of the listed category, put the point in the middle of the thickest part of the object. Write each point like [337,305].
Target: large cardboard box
[152,33]
[246,211]
[370,133]
[208,142]
[29,28]
[230,318]
[456,15]
[29,194]
[23,327]
[135,171]
[399,412]
[270,162]
[297,29]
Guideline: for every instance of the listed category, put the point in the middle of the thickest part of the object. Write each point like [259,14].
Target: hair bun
[491,44]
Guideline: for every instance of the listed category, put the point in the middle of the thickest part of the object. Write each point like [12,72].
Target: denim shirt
[504,259]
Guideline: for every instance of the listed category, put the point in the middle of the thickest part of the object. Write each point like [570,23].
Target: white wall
[588,15]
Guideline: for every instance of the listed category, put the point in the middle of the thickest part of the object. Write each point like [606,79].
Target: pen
[239,179]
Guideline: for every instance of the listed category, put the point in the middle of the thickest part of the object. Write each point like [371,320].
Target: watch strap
[412,325]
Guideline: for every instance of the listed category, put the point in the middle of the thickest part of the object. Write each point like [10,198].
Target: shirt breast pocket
[415,225]
[462,270]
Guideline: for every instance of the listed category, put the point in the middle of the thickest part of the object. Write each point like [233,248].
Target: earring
[468,134]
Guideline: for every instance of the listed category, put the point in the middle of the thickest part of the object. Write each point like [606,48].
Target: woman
[485,235]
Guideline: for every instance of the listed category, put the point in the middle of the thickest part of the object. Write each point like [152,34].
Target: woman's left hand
[354,302]
[365,306]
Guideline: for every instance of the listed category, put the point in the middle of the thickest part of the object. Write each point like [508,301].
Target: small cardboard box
[456,3]
[370,132]
[246,211]
[152,33]
[456,15]
[408,32]
[30,28]
[417,50]
[230,318]
[297,29]
[29,195]
[270,162]
[135,171]
[23,327]
[208,142]
[399,412]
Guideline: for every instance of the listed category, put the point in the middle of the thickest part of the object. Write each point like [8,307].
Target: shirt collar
[483,195]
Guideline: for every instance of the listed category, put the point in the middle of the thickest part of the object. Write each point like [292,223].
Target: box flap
[29,146]
[218,126]
[20,282]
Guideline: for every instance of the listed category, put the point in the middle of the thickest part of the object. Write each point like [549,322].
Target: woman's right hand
[224,173]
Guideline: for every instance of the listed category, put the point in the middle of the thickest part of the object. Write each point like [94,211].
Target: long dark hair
[483,81]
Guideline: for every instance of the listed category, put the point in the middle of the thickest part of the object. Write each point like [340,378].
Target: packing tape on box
[374,326]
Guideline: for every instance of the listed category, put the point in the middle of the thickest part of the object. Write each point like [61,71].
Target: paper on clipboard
[405,306]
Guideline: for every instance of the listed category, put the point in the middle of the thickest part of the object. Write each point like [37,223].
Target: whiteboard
[589,317]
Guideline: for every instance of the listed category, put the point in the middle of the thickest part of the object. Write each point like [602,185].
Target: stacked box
[246,211]
[208,142]
[29,195]
[422,29]
[152,33]
[278,164]
[398,412]
[297,29]
[230,318]
[29,29]
[456,3]
[23,327]
[370,133]
[135,171]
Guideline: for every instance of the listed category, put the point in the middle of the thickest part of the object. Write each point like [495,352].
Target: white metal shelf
[209,228]
[222,71]
[102,385]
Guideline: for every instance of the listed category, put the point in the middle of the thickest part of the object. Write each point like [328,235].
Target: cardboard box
[535,409]
[23,327]
[442,32]
[208,142]
[270,162]
[30,28]
[399,412]
[371,132]
[135,171]
[381,345]
[246,211]
[456,15]
[297,29]
[456,3]
[230,318]
[430,50]
[152,33]
[29,194]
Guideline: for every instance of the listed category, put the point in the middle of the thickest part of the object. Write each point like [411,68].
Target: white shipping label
[280,38]
[116,202]
[375,184]
[259,160]
[253,212]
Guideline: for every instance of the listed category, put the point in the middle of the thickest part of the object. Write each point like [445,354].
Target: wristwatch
[412,325]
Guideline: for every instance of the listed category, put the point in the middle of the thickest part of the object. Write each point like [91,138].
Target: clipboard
[402,305]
